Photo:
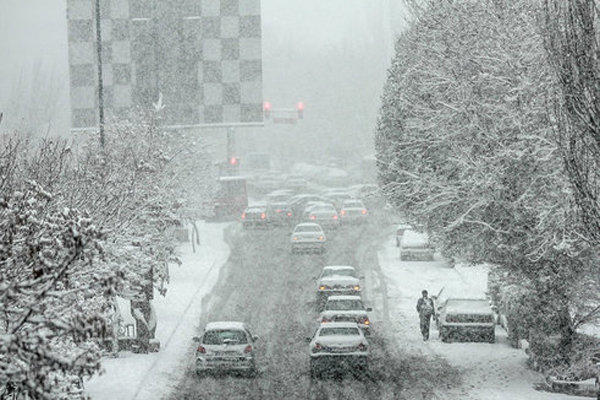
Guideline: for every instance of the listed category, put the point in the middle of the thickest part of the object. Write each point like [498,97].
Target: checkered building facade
[204,56]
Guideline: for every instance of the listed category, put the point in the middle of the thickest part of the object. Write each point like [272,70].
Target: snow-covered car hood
[339,280]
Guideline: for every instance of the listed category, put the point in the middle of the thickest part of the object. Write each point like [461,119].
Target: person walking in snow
[425,309]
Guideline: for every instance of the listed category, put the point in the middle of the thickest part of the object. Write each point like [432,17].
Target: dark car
[256,216]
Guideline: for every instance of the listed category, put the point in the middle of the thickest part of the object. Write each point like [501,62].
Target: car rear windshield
[225,336]
[307,228]
[349,331]
[321,208]
[470,318]
[344,305]
[338,272]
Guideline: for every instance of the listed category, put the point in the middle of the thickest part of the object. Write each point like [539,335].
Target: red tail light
[335,217]
[313,217]
[278,211]
[248,349]
[343,212]
[317,348]
[289,214]
[243,215]
[362,347]
[263,216]
[201,349]
[364,211]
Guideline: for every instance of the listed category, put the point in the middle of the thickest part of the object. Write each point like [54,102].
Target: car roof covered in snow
[344,324]
[338,267]
[468,306]
[219,325]
[348,297]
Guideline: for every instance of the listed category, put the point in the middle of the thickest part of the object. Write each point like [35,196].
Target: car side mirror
[369,309]
[196,339]
[255,338]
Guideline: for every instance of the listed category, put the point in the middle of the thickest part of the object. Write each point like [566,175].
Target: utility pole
[100,79]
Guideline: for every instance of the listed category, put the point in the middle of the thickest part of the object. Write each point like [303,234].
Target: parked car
[400,229]
[308,236]
[337,280]
[415,246]
[256,216]
[353,211]
[226,346]
[463,319]
[337,345]
[346,308]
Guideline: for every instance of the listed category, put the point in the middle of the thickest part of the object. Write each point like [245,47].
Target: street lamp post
[100,78]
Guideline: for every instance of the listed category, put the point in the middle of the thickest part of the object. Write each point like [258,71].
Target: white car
[415,246]
[353,211]
[324,214]
[337,280]
[338,344]
[346,308]
[308,236]
[226,345]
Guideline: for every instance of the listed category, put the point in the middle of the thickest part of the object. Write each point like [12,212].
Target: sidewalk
[489,371]
[151,376]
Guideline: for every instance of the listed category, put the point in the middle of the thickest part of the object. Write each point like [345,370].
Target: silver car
[335,345]
[337,280]
[346,308]
[308,237]
[461,319]
[226,346]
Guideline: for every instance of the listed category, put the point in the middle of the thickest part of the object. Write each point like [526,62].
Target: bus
[232,197]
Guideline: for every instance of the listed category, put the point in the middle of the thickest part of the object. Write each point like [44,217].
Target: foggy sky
[33,32]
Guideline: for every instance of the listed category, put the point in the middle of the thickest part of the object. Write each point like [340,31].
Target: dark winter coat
[425,309]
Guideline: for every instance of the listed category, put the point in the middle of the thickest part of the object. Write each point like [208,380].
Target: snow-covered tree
[465,148]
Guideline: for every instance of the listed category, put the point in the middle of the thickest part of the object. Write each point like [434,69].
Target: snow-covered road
[151,376]
[489,371]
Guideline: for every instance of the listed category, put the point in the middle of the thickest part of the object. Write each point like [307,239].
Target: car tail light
[362,347]
[364,321]
[364,211]
[321,237]
[248,349]
[317,348]
[313,217]
[201,349]
[263,216]
[356,288]
[295,238]
[278,211]
[243,215]
[289,214]
[343,212]
[335,217]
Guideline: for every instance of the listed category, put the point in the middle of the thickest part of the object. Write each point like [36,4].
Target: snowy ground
[151,376]
[490,371]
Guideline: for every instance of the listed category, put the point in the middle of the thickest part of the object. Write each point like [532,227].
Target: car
[415,246]
[308,236]
[280,212]
[462,319]
[298,202]
[400,229]
[324,214]
[226,346]
[335,345]
[337,280]
[338,198]
[309,205]
[346,308]
[353,211]
[256,216]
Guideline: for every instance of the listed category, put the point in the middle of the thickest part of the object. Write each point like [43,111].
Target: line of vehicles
[340,339]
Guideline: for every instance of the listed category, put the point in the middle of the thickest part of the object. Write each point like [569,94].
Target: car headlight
[323,287]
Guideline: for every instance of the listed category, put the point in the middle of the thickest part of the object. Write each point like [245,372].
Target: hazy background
[330,54]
